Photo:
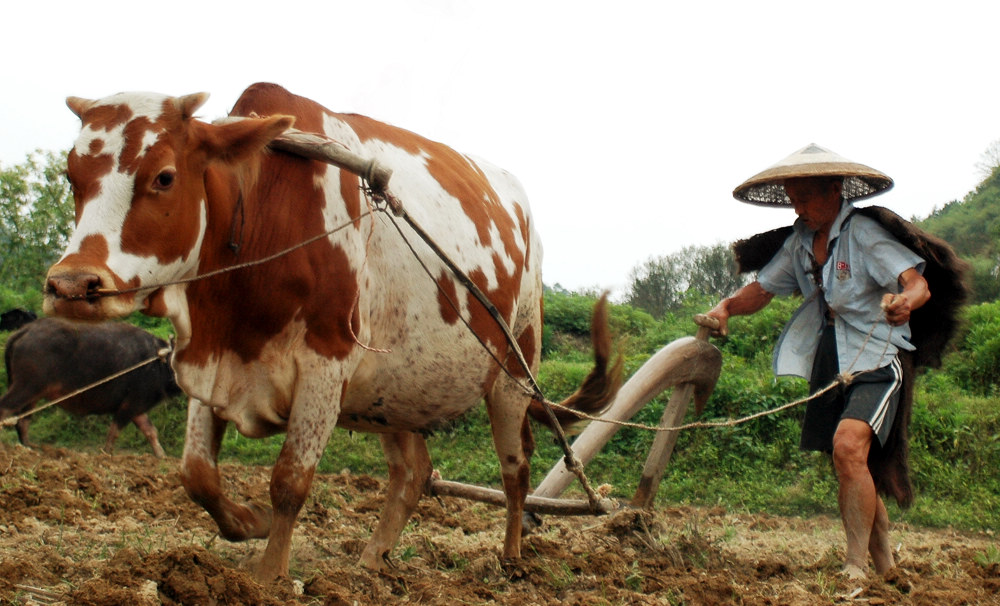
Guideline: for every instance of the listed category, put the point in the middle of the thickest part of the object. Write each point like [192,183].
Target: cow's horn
[78,105]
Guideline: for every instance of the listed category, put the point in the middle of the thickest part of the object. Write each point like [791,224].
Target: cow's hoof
[376,562]
[530,522]
[514,569]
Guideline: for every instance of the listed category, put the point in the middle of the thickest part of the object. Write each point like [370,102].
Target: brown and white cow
[161,196]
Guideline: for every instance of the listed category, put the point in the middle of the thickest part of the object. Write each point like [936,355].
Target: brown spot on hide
[350,191]
[165,224]
[290,485]
[106,117]
[527,439]
[85,174]
[526,342]
[447,298]
[135,134]
[481,321]
[93,252]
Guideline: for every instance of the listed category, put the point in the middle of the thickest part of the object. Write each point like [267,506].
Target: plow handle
[706,324]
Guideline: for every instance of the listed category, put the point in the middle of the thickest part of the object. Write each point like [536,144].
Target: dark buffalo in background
[12,319]
[52,357]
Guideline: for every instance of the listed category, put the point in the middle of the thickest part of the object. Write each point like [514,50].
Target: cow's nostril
[74,286]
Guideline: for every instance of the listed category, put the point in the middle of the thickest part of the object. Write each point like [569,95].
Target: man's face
[815,200]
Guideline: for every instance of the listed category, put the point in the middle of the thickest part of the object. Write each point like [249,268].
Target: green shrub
[975,364]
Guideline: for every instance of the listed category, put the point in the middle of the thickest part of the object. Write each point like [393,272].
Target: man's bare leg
[878,545]
[858,500]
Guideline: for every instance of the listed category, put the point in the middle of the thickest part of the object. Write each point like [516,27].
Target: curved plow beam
[691,363]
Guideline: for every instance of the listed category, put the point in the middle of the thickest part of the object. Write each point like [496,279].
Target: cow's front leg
[291,478]
[409,470]
[201,479]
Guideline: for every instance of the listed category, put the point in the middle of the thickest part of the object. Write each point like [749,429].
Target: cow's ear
[237,139]
[189,104]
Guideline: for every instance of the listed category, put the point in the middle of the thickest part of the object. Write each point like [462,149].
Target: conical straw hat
[767,188]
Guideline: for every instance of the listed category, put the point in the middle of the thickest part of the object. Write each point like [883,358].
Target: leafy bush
[568,313]
[976,364]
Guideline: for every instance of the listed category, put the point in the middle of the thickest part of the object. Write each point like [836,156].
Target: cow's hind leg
[409,471]
[201,479]
[514,445]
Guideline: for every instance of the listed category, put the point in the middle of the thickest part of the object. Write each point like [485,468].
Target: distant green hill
[972,227]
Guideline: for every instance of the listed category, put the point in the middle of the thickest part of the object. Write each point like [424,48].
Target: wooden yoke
[690,363]
[324,149]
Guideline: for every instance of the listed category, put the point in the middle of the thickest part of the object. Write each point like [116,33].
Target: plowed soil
[85,528]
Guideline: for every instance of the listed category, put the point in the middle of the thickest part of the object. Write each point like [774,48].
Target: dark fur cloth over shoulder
[931,326]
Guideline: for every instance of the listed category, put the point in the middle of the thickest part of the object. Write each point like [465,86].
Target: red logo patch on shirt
[843,270]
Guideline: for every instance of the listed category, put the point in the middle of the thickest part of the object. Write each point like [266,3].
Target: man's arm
[915,293]
[747,300]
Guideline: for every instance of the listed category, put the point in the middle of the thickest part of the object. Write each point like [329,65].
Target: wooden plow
[690,365]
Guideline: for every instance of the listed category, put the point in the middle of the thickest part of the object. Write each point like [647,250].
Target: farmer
[860,285]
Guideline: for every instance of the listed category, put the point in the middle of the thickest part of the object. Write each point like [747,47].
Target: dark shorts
[871,397]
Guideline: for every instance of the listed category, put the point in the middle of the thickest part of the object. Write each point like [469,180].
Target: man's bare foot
[853,572]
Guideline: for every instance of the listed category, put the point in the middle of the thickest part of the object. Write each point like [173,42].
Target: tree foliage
[972,227]
[36,219]
[660,285]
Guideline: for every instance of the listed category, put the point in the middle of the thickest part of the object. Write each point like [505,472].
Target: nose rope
[112,292]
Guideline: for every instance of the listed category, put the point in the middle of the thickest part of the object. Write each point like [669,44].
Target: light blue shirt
[865,262]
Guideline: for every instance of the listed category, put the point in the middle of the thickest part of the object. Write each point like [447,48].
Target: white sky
[629,123]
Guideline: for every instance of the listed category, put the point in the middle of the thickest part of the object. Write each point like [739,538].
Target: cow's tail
[601,385]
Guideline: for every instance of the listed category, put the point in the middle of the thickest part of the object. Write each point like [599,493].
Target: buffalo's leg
[409,471]
[201,479]
[22,431]
[18,400]
[109,442]
[149,430]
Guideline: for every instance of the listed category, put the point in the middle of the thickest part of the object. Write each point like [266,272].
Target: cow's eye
[164,180]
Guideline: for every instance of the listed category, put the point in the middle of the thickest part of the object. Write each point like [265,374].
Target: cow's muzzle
[80,295]
[74,287]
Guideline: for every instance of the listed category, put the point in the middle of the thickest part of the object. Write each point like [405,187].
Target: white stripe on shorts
[878,417]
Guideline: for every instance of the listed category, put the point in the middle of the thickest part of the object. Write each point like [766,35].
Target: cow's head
[142,171]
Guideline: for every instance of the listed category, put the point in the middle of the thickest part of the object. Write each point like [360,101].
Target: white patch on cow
[253,394]
[176,304]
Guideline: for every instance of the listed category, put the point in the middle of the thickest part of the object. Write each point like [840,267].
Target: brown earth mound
[82,528]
